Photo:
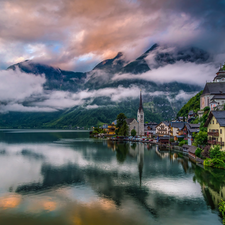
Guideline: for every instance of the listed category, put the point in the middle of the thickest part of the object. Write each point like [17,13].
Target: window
[220,131]
[213,121]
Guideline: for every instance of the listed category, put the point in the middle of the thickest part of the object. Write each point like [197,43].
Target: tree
[124,129]
[133,132]
[215,152]
[198,152]
[200,138]
[121,118]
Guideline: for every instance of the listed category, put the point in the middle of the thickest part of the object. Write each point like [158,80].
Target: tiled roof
[129,120]
[214,88]
[192,128]
[218,97]
[220,117]
[192,149]
[179,125]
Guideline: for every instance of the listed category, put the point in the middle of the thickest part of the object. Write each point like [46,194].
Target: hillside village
[196,133]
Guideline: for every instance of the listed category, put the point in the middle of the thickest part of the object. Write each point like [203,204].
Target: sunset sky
[75,34]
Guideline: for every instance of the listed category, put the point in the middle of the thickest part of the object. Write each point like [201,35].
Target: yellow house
[215,124]
[111,129]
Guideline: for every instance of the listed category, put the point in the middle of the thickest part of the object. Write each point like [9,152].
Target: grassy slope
[192,104]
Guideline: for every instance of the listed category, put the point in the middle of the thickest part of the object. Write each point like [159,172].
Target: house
[191,129]
[214,92]
[150,128]
[175,128]
[163,129]
[185,148]
[111,129]
[191,114]
[164,139]
[215,124]
[191,151]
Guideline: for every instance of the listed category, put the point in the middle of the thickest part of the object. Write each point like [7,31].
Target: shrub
[133,132]
[215,152]
[198,152]
[206,109]
[183,142]
[222,209]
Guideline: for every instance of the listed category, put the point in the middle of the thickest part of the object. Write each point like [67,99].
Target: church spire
[140,104]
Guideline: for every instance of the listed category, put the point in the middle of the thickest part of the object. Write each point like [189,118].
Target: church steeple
[140,104]
[140,117]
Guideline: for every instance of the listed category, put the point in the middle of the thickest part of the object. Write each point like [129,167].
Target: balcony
[214,133]
[214,142]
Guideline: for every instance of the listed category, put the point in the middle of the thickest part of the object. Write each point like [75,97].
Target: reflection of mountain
[75,164]
[157,106]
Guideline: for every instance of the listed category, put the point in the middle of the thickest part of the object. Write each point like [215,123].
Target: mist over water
[63,177]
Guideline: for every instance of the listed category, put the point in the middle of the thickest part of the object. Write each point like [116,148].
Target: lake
[66,178]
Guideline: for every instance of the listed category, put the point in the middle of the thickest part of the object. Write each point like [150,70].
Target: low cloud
[92,106]
[190,73]
[23,92]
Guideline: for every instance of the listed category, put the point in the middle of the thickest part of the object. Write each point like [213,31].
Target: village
[200,133]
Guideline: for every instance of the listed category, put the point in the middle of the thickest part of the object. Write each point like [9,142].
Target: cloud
[25,93]
[92,106]
[60,33]
[17,86]
[190,73]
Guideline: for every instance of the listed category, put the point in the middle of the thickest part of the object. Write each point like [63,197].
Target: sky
[76,35]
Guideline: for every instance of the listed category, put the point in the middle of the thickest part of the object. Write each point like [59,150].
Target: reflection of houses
[214,92]
[216,196]
[215,124]
[150,128]
[163,129]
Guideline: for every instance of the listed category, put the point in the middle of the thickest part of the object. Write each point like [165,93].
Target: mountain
[161,101]
[56,78]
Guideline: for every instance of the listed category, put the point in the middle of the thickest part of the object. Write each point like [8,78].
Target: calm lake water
[65,178]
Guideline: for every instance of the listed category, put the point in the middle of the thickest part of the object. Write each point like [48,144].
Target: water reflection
[86,181]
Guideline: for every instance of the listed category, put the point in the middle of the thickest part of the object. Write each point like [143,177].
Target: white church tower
[140,118]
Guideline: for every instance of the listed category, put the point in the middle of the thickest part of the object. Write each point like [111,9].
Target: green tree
[124,129]
[215,152]
[198,152]
[183,142]
[200,138]
[121,118]
[133,132]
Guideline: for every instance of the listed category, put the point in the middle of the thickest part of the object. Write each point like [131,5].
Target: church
[214,92]
[138,124]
